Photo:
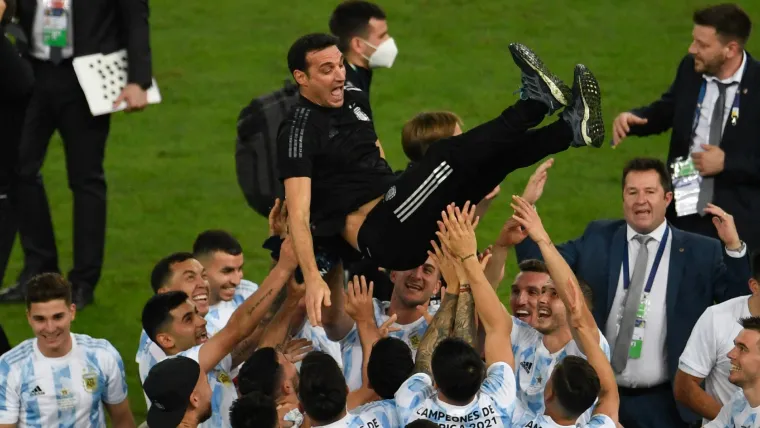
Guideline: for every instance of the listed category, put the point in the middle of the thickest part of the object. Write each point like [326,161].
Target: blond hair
[426,128]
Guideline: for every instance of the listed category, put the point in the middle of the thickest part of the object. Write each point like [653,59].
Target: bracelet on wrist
[462,259]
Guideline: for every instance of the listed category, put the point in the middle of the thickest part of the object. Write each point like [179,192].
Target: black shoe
[538,83]
[82,297]
[13,294]
[584,115]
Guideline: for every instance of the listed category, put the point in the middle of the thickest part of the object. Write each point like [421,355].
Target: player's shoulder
[600,421]
[730,308]
[102,347]
[17,355]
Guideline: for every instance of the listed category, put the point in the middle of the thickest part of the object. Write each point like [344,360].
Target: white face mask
[384,54]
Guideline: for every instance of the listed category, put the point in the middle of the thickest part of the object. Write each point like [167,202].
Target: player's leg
[84,142]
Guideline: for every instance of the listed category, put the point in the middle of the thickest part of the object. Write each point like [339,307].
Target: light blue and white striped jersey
[36,391]
[379,414]
[351,347]
[737,413]
[223,392]
[220,313]
[530,420]
[492,407]
[320,341]
[351,421]
[534,364]
[148,355]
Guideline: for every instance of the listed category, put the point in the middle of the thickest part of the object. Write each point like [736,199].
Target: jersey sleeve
[411,394]
[601,421]
[116,379]
[699,357]
[724,417]
[296,143]
[500,385]
[10,401]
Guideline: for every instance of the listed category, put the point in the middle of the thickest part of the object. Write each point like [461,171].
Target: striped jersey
[351,347]
[148,355]
[534,364]
[223,391]
[220,313]
[492,407]
[378,414]
[320,341]
[737,413]
[37,391]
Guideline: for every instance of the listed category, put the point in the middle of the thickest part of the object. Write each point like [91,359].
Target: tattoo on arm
[438,330]
[245,349]
[464,324]
[256,305]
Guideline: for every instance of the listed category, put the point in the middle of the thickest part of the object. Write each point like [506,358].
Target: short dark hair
[533,265]
[323,391]
[351,19]
[261,372]
[306,44]
[754,259]
[728,19]
[458,370]
[156,314]
[254,410]
[422,423]
[390,365]
[576,385]
[751,323]
[46,287]
[649,164]
[213,241]
[162,271]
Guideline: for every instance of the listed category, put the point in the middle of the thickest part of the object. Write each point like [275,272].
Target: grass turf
[171,171]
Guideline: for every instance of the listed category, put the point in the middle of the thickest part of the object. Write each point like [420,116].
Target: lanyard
[734,107]
[653,272]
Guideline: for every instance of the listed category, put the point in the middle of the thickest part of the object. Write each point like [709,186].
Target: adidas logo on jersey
[360,114]
[37,391]
[527,366]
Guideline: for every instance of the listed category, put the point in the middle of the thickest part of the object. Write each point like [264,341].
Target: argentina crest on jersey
[90,379]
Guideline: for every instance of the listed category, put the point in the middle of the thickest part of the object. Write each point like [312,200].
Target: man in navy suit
[712,109]
[651,283]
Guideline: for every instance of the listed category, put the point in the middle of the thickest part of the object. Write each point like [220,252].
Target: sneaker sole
[592,126]
[523,56]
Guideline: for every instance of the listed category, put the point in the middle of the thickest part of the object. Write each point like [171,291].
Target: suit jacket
[700,274]
[106,26]
[737,188]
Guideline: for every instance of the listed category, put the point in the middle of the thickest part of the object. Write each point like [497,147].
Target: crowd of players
[309,346]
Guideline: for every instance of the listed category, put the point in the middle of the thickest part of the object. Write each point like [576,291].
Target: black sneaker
[584,115]
[538,82]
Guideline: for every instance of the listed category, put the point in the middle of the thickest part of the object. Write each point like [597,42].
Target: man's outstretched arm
[298,199]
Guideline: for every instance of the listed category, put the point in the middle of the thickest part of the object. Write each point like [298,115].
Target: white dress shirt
[651,368]
[702,133]
[38,48]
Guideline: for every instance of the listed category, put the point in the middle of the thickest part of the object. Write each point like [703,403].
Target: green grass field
[171,170]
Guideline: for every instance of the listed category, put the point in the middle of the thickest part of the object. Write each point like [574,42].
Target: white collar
[655,234]
[453,409]
[735,78]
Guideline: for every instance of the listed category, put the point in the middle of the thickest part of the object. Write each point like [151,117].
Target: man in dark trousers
[712,108]
[15,88]
[58,32]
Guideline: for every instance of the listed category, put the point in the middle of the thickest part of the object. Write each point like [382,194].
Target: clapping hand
[458,232]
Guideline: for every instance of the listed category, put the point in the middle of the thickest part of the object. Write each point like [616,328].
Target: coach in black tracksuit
[58,103]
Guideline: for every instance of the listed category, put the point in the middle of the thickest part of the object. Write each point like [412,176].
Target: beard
[710,67]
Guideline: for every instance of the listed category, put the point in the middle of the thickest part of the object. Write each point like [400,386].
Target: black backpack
[256,147]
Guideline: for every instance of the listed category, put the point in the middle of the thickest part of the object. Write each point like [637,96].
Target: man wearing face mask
[362,30]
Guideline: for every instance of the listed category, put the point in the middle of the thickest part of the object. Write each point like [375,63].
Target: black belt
[632,392]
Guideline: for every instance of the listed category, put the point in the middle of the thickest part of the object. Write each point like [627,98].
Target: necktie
[631,306]
[56,54]
[716,133]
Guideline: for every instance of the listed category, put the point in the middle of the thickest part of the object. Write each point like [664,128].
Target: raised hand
[387,327]
[724,223]
[317,294]
[535,187]
[296,349]
[446,263]
[459,235]
[511,234]
[359,305]
[622,126]
[528,218]
[278,219]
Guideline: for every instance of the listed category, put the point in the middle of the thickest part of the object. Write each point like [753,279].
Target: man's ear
[301,78]
[165,340]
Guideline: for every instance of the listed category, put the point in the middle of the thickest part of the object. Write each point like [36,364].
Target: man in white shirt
[674,277]
[410,300]
[172,321]
[705,358]
[222,257]
[59,378]
[175,272]
[744,408]
[179,392]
